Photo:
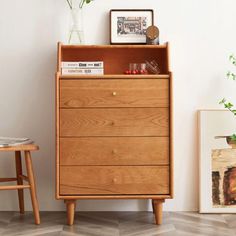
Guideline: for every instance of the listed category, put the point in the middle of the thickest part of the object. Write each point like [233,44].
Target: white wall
[202,35]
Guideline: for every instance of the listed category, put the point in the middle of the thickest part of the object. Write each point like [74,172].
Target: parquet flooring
[118,224]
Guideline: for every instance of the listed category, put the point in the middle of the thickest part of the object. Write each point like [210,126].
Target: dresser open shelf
[114,131]
[116,58]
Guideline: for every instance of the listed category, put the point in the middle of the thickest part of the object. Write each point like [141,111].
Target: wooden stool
[20,177]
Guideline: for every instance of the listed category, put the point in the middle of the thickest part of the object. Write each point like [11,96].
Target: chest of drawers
[114,132]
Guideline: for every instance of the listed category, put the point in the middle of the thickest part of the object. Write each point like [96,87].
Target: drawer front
[114,93]
[114,122]
[110,180]
[114,151]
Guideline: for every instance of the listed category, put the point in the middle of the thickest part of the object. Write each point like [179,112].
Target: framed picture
[217,162]
[129,26]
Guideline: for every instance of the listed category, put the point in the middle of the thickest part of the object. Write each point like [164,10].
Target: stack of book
[82,68]
[8,142]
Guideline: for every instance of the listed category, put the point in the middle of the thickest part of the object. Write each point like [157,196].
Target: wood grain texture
[91,180]
[157,207]
[70,206]
[57,133]
[114,122]
[14,187]
[33,194]
[114,131]
[11,179]
[109,197]
[59,51]
[135,223]
[28,147]
[171,141]
[114,76]
[114,151]
[94,47]
[18,163]
[117,59]
[114,93]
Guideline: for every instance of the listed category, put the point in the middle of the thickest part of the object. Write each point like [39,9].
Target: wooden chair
[20,177]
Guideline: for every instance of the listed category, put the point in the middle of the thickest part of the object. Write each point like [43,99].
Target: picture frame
[217,162]
[128,26]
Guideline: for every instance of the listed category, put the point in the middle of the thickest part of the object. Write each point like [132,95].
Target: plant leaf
[233,137]
[222,101]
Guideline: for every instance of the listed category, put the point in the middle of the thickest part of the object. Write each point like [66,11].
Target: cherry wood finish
[114,151]
[157,208]
[20,178]
[30,173]
[116,58]
[114,122]
[114,93]
[70,206]
[28,147]
[92,180]
[114,131]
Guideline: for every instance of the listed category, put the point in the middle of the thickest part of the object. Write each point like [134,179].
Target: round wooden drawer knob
[114,94]
[114,151]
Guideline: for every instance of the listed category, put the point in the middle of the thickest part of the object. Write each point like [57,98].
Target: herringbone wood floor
[118,223]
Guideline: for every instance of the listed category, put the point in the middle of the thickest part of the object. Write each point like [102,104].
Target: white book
[8,142]
[66,71]
[82,64]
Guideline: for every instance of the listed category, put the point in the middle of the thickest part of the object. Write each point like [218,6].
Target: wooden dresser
[114,132]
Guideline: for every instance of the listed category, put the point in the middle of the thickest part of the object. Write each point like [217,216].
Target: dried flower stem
[81,3]
[69,3]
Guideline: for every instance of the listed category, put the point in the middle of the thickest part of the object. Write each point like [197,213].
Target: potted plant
[231,140]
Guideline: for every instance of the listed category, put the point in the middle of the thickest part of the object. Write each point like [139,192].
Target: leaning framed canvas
[129,26]
[217,161]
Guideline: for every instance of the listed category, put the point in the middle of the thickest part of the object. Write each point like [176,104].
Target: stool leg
[19,181]
[30,174]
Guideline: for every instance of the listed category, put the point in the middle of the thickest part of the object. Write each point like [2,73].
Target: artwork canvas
[217,162]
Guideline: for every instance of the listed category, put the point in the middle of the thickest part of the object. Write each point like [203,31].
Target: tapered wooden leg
[19,181]
[70,206]
[153,207]
[158,210]
[30,174]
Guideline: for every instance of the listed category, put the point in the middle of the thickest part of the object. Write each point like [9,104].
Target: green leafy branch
[233,137]
[228,105]
[81,4]
[224,102]
[231,75]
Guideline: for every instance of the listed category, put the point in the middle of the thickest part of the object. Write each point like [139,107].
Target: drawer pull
[114,180]
[114,94]
[114,151]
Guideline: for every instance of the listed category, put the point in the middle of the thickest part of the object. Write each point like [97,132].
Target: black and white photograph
[130,26]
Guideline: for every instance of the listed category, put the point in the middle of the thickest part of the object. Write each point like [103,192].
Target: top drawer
[114,93]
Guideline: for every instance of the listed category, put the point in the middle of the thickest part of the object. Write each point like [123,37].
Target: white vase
[76,31]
